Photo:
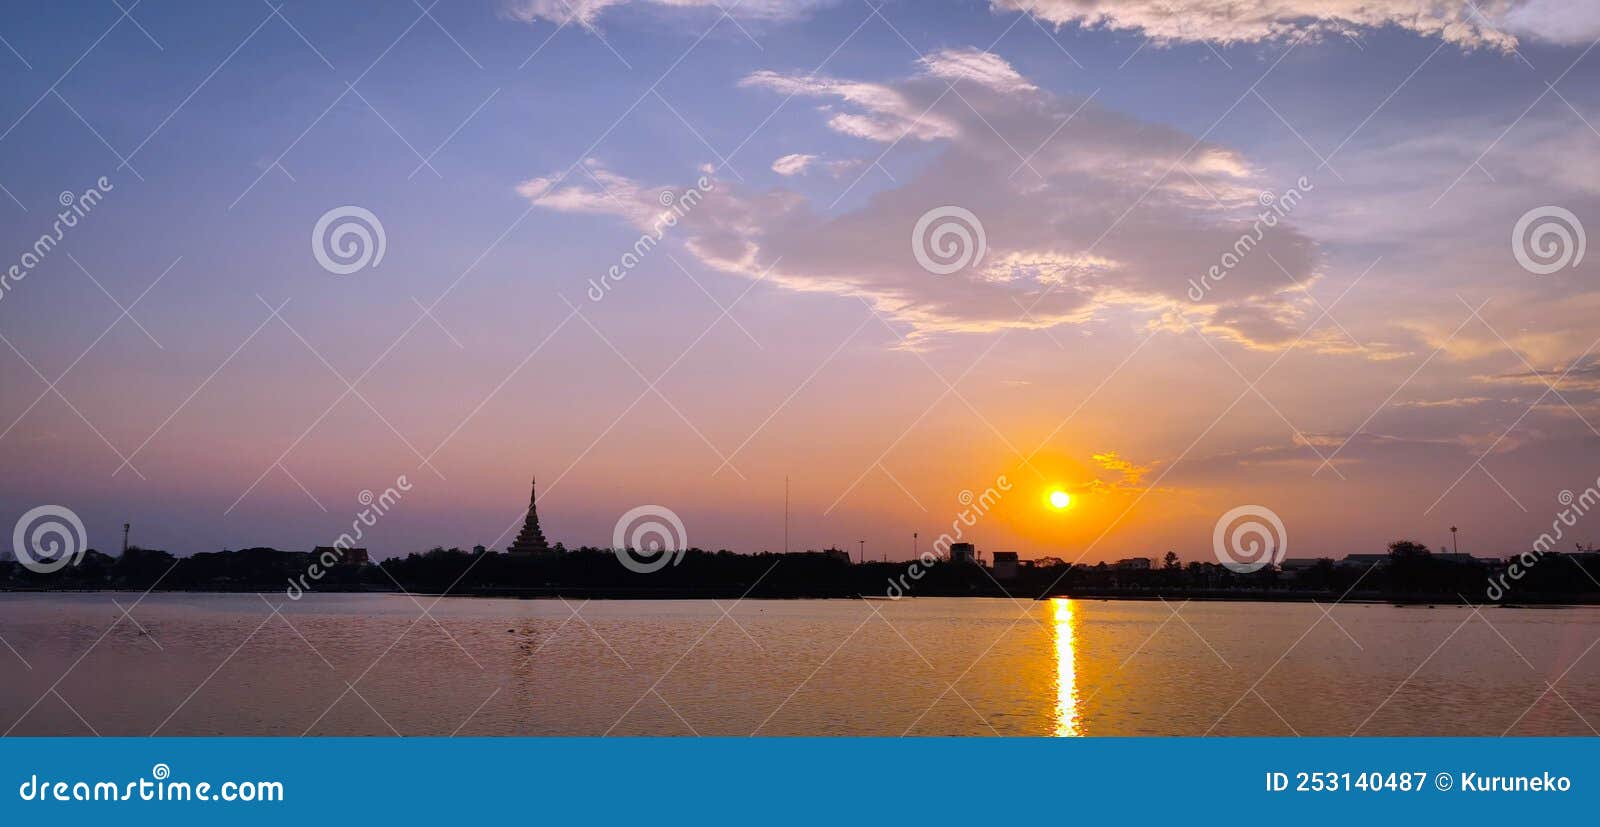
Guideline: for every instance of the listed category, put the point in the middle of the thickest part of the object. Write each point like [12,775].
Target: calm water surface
[192,664]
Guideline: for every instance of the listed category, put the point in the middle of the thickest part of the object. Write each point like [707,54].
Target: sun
[1060,499]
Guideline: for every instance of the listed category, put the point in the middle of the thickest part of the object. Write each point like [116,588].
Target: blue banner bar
[795,781]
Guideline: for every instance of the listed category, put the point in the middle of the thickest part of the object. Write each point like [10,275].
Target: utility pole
[863,551]
[785,513]
[125,527]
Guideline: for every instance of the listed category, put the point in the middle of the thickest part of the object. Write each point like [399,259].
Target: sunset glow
[810,296]
[1069,718]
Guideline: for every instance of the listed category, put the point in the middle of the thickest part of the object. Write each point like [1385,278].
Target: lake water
[203,664]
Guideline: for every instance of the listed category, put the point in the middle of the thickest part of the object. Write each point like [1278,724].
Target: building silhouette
[530,540]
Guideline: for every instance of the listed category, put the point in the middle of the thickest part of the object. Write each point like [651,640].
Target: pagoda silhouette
[531,540]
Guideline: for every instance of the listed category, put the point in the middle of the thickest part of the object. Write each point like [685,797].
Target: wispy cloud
[1086,211]
[1495,24]
[588,12]
[1132,474]
[1468,23]
[983,68]
[1453,402]
[792,164]
[1572,377]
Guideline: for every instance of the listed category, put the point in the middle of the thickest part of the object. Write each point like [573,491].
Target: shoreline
[1413,577]
[1131,595]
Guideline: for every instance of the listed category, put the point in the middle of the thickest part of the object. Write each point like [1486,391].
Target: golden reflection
[1067,721]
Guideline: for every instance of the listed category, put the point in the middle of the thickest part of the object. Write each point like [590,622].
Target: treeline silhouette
[1409,572]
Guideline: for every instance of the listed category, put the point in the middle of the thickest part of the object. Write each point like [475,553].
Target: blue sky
[546,137]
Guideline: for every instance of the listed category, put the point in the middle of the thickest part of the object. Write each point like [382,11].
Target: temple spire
[530,540]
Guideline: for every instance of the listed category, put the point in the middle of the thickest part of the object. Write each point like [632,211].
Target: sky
[1176,258]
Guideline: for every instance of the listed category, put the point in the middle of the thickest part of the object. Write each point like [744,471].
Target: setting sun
[1060,499]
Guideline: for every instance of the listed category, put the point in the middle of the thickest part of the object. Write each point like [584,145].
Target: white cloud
[985,68]
[792,164]
[583,12]
[1493,24]
[1569,22]
[887,112]
[588,12]
[612,195]
[1110,213]
[1468,23]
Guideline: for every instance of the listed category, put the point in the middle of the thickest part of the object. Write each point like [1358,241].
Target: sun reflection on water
[1068,723]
